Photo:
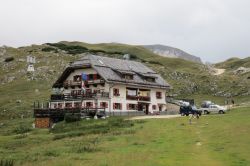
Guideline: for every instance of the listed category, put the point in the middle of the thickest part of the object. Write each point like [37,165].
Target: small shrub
[22,129]
[9,59]
[72,117]
[6,162]
[49,49]
[75,49]
[86,148]
[21,136]
[51,153]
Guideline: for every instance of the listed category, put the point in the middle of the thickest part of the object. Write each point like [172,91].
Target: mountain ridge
[172,52]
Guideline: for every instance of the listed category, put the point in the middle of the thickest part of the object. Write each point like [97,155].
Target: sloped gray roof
[110,69]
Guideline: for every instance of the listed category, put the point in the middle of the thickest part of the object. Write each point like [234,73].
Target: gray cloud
[213,29]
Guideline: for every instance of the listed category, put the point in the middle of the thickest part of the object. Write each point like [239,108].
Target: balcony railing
[70,83]
[79,96]
[139,98]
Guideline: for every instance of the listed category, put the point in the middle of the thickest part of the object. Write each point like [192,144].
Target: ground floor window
[154,107]
[68,105]
[104,104]
[77,105]
[117,106]
[132,106]
[60,105]
[89,104]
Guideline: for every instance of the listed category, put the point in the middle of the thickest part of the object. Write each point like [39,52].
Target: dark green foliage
[133,57]
[72,117]
[22,129]
[71,49]
[50,49]
[155,62]
[9,59]
[6,162]
[112,125]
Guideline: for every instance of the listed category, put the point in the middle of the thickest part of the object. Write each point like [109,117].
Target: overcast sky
[211,29]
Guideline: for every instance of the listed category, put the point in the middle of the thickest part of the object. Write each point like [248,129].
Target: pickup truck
[214,109]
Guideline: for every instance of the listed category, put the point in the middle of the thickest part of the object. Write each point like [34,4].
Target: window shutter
[127,106]
[113,105]
[121,106]
[95,76]
[106,105]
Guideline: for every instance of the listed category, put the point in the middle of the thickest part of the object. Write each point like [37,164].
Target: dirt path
[155,117]
[218,71]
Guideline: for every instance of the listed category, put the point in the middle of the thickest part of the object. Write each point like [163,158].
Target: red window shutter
[95,76]
[106,105]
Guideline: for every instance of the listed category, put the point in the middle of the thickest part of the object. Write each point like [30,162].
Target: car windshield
[194,107]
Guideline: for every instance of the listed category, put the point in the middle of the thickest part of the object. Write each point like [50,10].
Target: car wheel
[206,112]
[221,112]
[182,114]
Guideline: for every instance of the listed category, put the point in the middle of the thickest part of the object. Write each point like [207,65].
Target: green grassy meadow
[213,140]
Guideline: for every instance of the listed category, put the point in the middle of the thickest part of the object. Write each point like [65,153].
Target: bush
[75,49]
[49,49]
[22,129]
[72,117]
[6,162]
[9,59]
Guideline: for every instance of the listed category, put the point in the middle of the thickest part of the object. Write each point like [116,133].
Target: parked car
[186,110]
[214,108]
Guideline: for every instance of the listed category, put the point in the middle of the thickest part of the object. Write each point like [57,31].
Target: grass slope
[218,140]
[234,63]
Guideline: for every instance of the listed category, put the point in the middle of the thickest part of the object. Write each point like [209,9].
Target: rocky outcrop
[172,52]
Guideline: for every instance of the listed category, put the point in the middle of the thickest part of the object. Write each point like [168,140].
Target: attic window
[150,79]
[127,76]
[100,61]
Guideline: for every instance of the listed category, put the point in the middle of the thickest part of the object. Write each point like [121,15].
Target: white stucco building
[119,86]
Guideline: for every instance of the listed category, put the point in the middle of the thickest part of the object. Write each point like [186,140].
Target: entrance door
[143,107]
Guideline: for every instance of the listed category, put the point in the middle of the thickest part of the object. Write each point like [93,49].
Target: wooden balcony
[84,96]
[70,83]
[139,98]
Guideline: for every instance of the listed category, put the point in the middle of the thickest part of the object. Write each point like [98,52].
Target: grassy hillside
[20,89]
[234,63]
[218,140]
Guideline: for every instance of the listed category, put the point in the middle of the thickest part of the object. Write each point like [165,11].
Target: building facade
[116,85]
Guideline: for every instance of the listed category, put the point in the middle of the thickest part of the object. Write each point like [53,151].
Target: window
[89,104]
[127,76]
[154,107]
[117,106]
[104,104]
[158,95]
[68,105]
[55,105]
[132,107]
[77,105]
[60,105]
[76,92]
[131,92]
[116,92]
[91,77]
[150,79]
[77,78]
